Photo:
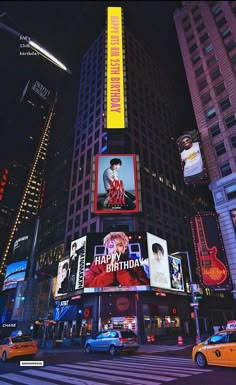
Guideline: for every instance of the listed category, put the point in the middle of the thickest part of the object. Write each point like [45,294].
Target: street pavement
[183,350]
[144,369]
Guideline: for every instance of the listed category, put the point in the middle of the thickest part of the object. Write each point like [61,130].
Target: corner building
[207,38]
[150,126]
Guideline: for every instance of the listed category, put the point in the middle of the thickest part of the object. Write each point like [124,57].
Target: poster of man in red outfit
[117,261]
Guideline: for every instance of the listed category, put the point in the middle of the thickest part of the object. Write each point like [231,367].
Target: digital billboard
[176,273]
[116,187]
[192,158]
[210,253]
[233,218]
[158,262]
[23,239]
[62,277]
[76,265]
[116,260]
[115,107]
[15,272]
[47,262]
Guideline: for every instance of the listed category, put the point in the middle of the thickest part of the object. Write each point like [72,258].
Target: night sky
[67,29]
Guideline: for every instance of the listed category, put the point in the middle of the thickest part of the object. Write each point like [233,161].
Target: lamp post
[195,308]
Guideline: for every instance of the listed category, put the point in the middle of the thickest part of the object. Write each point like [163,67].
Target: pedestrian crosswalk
[126,370]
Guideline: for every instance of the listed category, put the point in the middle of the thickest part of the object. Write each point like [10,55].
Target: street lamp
[192,293]
[34,45]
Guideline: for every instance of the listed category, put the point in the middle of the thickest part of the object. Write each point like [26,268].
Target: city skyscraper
[126,107]
[35,111]
[207,35]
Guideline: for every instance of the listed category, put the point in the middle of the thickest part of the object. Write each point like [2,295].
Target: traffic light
[197,296]
[22,298]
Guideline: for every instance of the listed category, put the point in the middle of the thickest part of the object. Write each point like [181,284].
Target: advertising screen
[192,158]
[76,265]
[233,217]
[158,262]
[116,261]
[23,240]
[115,106]
[15,272]
[116,184]
[176,273]
[210,252]
[62,277]
[47,262]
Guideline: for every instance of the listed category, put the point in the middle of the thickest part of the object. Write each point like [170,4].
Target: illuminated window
[211,113]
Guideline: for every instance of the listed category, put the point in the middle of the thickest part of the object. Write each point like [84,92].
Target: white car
[113,341]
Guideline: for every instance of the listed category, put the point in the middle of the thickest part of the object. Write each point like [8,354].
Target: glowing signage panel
[115,111]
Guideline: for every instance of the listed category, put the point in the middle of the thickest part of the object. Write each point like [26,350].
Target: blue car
[113,341]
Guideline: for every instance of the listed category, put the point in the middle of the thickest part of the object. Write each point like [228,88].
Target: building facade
[35,118]
[207,37]
[147,129]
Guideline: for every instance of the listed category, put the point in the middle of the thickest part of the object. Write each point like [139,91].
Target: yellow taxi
[219,350]
[15,346]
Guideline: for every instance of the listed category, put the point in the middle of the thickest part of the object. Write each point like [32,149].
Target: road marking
[125,370]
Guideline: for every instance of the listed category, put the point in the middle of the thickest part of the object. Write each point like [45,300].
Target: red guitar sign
[213,271]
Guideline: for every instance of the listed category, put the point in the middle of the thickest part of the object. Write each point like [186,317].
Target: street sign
[194,304]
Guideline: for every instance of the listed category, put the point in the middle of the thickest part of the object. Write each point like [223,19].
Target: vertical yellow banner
[115,74]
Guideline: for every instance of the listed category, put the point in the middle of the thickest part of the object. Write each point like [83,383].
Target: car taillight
[136,339]
[121,339]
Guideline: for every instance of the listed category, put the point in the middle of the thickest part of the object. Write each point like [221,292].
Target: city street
[153,364]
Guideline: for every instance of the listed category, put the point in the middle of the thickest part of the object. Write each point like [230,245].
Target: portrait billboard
[233,218]
[176,273]
[76,265]
[158,262]
[15,273]
[62,278]
[116,261]
[116,187]
[115,106]
[210,252]
[192,158]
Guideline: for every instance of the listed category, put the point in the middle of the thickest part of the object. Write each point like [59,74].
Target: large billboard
[158,262]
[192,158]
[62,278]
[233,218]
[47,262]
[70,275]
[15,273]
[115,106]
[76,265]
[210,252]
[116,187]
[176,273]
[115,261]
[23,239]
